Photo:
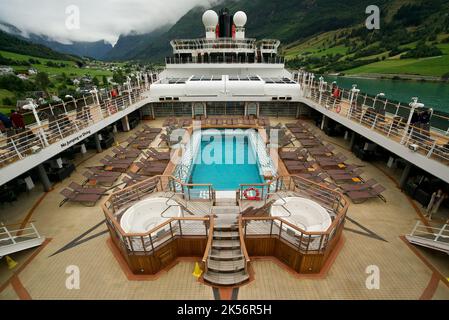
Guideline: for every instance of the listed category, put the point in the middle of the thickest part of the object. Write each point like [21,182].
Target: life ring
[256,195]
[338,108]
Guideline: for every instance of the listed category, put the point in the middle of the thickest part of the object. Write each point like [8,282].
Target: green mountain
[325,35]
[15,44]
[285,20]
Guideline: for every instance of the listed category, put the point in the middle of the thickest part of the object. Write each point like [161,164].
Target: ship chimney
[210,21]
[225,24]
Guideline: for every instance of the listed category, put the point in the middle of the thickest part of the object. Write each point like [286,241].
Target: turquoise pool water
[225,161]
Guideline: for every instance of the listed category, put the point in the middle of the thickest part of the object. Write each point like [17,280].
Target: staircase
[226,262]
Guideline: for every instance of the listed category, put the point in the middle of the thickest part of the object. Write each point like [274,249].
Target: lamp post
[128,83]
[32,106]
[68,96]
[94,91]
[413,105]
[376,97]
[354,92]
[320,87]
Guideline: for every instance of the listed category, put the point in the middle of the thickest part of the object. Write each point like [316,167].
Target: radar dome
[210,19]
[239,19]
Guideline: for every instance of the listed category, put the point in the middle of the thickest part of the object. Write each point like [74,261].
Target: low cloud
[98,19]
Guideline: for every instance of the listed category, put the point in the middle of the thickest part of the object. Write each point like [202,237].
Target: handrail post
[180,229]
[151,241]
[280,229]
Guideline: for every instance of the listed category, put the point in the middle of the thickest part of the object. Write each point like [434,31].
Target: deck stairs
[435,237]
[15,240]
[226,262]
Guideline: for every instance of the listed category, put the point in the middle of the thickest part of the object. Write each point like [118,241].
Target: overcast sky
[99,19]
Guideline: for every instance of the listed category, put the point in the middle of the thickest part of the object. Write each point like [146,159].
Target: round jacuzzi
[303,213]
[147,214]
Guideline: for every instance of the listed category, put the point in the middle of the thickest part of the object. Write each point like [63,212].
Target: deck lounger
[101,172]
[86,199]
[128,153]
[153,130]
[358,187]
[112,160]
[289,155]
[80,189]
[112,164]
[159,155]
[362,196]
[101,179]
[310,143]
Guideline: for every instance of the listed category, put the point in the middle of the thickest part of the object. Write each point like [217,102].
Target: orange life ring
[256,196]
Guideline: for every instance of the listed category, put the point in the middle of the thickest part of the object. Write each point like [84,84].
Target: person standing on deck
[17,119]
[435,203]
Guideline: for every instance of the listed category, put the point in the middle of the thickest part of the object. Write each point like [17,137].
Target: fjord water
[226,161]
[433,94]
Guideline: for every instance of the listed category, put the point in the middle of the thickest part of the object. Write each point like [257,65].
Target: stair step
[226,227]
[226,279]
[226,244]
[226,235]
[224,255]
[226,266]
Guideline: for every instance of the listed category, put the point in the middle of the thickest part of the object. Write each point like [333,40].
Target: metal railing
[59,122]
[390,119]
[225,59]
[304,241]
[11,235]
[434,233]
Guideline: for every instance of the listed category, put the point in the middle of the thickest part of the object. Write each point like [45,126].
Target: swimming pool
[226,159]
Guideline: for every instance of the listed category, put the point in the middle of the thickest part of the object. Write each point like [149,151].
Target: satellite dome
[239,19]
[210,19]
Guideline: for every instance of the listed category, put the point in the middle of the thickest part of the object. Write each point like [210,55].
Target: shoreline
[384,76]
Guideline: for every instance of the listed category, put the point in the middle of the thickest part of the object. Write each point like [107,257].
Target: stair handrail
[242,244]
[209,242]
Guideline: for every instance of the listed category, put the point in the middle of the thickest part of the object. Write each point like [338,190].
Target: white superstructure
[224,66]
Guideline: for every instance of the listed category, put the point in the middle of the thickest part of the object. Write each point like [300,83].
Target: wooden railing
[209,243]
[242,244]
[147,242]
[306,242]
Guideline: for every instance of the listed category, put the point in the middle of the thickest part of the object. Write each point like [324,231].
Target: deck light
[32,106]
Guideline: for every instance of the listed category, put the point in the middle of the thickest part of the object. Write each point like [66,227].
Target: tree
[42,81]
[105,81]
[95,81]
[118,77]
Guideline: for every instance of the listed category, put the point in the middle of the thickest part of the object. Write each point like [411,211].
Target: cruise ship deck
[229,178]
[76,235]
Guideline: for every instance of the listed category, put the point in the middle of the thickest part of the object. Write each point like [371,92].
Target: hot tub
[147,214]
[303,213]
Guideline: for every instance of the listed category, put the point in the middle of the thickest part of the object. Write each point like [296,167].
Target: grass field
[433,66]
[71,69]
